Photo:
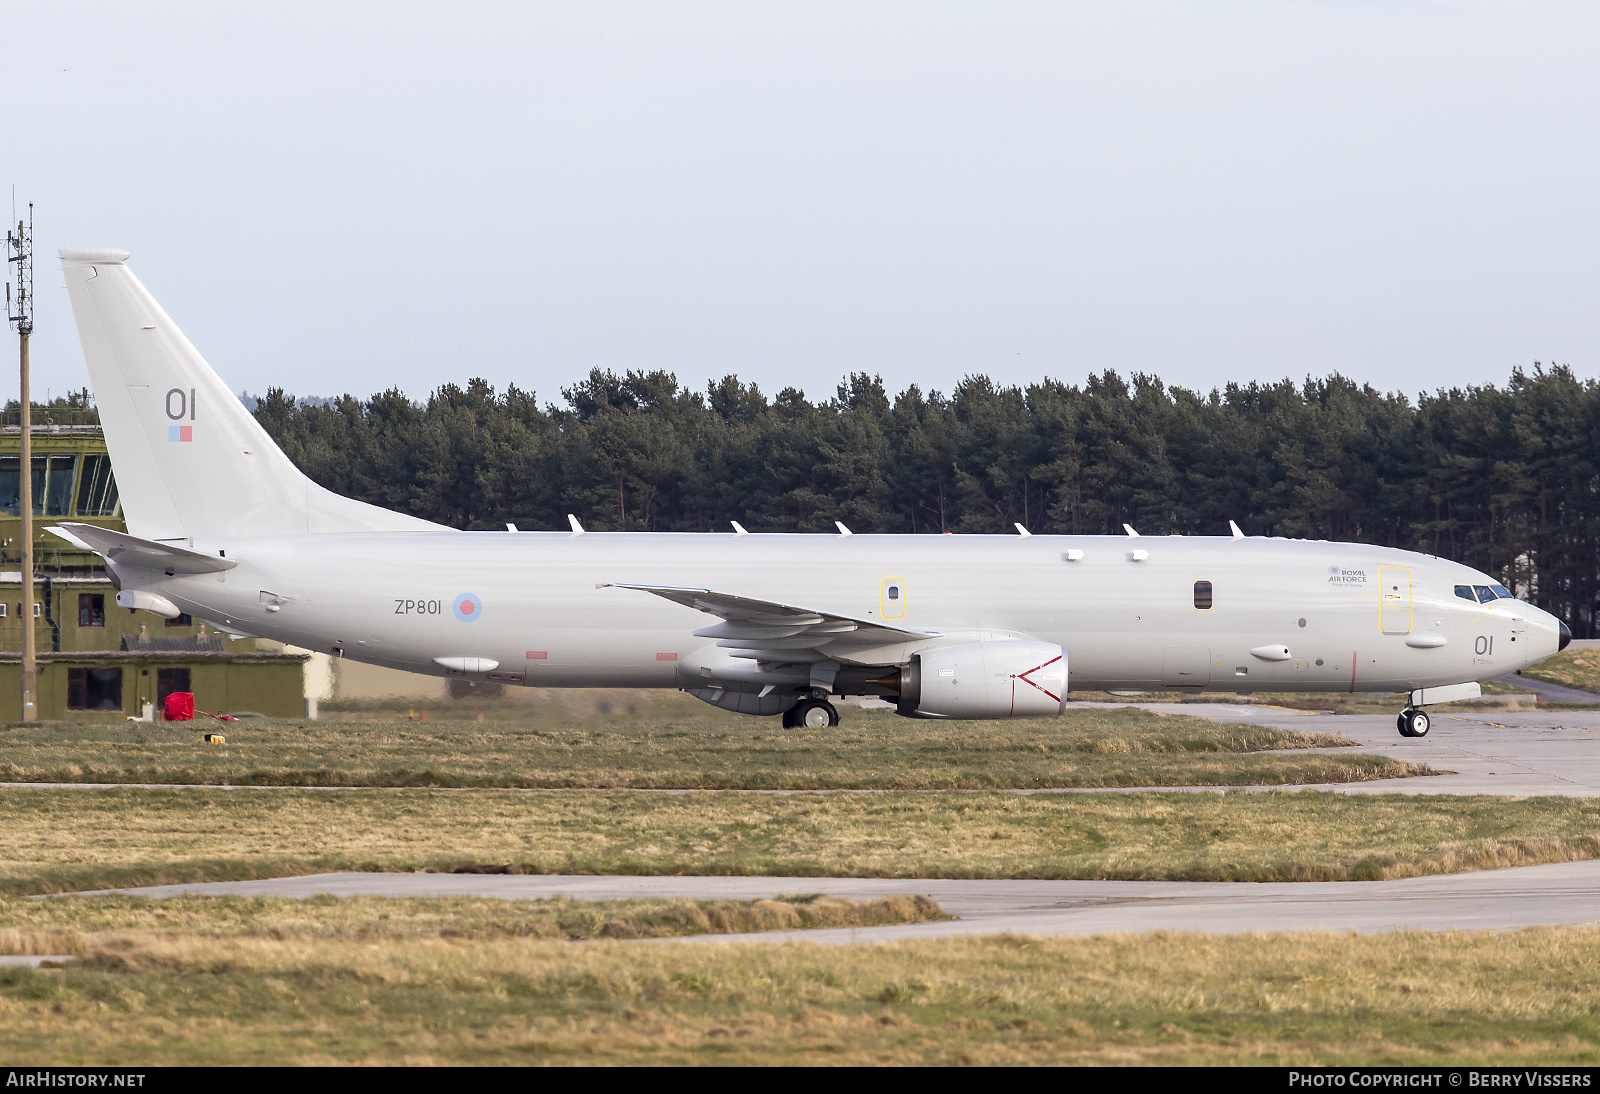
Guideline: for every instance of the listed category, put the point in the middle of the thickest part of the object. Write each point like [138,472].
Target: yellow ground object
[216,739]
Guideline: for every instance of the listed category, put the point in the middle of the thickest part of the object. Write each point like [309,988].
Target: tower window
[94,689]
[91,610]
[169,681]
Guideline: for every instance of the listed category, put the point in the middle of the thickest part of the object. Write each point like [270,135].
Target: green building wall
[242,678]
[269,684]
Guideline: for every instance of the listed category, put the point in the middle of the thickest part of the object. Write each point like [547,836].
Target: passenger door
[892,598]
[1394,599]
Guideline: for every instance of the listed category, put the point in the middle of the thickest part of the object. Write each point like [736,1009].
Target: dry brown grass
[33,941]
[67,840]
[96,924]
[664,746]
[144,998]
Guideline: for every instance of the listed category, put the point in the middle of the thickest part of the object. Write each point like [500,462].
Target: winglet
[60,530]
[1236,533]
[843,531]
[1021,531]
[738,529]
[510,527]
[1128,528]
[577,529]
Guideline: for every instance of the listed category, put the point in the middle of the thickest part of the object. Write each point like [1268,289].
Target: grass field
[80,925]
[1573,668]
[197,980]
[340,984]
[68,840]
[680,743]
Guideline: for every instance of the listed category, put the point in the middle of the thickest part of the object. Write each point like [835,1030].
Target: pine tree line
[1502,478]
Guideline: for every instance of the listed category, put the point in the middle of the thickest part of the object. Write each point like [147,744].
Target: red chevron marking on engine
[1023,676]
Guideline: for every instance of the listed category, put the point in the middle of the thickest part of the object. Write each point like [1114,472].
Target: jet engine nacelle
[1003,678]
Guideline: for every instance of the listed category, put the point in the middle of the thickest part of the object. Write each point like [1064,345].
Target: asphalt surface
[1566,894]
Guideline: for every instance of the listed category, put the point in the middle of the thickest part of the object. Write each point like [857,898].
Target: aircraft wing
[769,631]
[143,554]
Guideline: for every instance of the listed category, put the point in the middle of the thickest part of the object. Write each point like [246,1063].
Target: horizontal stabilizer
[121,549]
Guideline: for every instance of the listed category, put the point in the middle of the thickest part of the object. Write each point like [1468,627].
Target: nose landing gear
[1414,723]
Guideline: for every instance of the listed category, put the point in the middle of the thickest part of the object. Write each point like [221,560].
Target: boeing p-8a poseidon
[221,525]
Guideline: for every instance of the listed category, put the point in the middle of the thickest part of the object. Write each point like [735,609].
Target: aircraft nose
[1566,636]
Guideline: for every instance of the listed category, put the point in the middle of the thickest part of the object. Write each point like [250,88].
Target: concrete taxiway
[1550,693]
[1565,894]
[1519,754]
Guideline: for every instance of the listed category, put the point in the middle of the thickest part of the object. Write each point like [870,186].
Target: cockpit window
[1484,594]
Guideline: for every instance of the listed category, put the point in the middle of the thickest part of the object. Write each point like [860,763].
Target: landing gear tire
[1414,723]
[810,714]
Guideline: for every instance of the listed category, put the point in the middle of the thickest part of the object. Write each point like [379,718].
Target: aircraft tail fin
[190,460]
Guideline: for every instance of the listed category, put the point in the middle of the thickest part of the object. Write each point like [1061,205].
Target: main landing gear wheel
[1414,723]
[810,714]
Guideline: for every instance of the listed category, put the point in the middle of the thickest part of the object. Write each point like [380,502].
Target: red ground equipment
[179,707]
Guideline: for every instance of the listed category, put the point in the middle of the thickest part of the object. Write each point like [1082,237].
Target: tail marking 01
[230,480]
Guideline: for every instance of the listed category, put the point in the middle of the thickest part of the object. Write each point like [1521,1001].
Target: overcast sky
[338,197]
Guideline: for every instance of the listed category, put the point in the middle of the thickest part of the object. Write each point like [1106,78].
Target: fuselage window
[1202,595]
[1465,593]
[894,592]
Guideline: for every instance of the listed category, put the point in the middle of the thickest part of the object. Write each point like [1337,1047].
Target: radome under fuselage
[389,598]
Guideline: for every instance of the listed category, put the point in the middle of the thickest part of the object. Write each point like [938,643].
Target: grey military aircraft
[223,526]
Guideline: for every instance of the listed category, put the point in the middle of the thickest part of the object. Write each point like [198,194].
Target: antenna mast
[19,311]
[19,300]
